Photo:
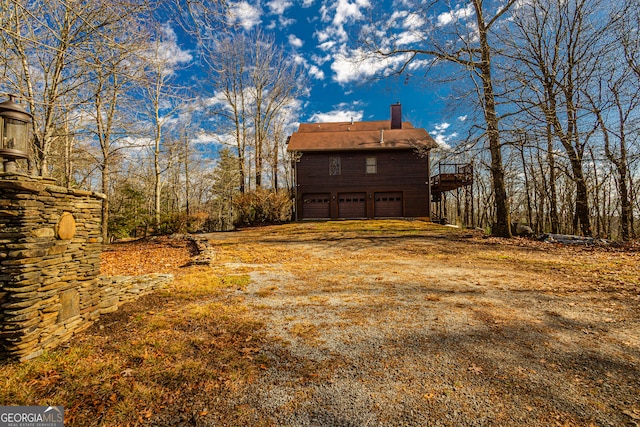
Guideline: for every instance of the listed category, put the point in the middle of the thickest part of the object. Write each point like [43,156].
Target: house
[377,169]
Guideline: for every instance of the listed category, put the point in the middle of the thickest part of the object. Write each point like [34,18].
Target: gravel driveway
[403,324]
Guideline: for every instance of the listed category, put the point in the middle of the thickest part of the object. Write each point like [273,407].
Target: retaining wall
[50,245]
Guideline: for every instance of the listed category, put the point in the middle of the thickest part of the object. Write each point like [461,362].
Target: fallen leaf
[475,369]
[633,414]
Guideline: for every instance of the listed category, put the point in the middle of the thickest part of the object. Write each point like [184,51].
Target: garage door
[352,205]
[388,205]
[315,206]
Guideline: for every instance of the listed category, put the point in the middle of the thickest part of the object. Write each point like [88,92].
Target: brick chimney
[396,116]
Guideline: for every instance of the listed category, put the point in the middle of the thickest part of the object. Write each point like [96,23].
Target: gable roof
[347,136]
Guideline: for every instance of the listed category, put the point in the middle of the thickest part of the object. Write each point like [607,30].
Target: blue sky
[319,34]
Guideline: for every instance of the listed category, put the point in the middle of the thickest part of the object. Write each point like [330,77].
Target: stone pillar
[50,245]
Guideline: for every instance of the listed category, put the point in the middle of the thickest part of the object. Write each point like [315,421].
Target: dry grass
[390,321]
[148,358]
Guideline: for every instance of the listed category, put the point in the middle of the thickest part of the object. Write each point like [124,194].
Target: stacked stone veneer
[50,245]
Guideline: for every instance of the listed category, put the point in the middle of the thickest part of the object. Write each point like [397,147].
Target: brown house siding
[400,174]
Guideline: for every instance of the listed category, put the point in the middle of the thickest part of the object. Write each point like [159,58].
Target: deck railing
[451,176]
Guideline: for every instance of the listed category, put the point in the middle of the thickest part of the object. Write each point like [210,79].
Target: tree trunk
[502,226]
[526,188]
[600,217]
[553,191]
[583,221]
[157,184]
[187,185]
[105,202]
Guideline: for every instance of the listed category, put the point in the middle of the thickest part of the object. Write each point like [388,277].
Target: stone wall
[117,290]
[50,245]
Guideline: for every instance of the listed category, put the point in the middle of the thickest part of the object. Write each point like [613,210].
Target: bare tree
[619,96]
[255,82]
[160,103]
[556,51]
[113,66]
[47,43]
[231,87]
[628,35]
[454,40]
[275,81]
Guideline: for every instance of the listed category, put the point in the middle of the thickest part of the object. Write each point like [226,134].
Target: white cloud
[441,137]
[295,41]
[320,59]
[135,143]
[414,21]
[322,36]
[474,35]
[462,118]
[285,22]
[337,115]
[407,38]
[290,115]
[337,14]
[313,70]
[407,20]
[217,99]
[168,49]
[417,64]
[327,46]
[166,54]
[396,16]
[278,7]
[355,65]
[244,14]
[316,73]
[455,15]
[205,138]
[442,142]
[346,11]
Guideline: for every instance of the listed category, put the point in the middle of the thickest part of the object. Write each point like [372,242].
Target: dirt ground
[405,323]
[408,323]
[360,323]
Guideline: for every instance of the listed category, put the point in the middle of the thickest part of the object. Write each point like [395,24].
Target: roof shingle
[343,136]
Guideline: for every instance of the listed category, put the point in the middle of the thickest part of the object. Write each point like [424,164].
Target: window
[372,165]
[334,166]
